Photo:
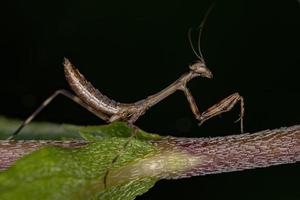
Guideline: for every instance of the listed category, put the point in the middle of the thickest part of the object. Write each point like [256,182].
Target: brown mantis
[110,110]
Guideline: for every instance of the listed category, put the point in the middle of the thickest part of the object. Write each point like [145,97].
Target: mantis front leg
[223,106]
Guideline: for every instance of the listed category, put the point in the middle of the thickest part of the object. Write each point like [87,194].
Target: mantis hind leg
[48,101]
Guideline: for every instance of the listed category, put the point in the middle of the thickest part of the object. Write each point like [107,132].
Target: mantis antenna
[199,54]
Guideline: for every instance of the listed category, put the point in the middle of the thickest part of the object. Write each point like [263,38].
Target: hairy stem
[185,157]
[240,152]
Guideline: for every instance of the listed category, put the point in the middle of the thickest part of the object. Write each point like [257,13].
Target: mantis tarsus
[110,110]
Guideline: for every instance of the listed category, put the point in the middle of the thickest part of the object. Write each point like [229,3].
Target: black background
[133,49]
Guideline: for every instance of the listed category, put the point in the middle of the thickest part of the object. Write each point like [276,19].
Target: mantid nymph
[110,110]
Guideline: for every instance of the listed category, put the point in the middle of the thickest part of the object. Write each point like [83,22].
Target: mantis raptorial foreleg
[223,106]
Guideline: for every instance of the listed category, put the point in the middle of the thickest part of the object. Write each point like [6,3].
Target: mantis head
[200,69]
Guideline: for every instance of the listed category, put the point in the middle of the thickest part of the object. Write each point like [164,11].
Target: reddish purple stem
[219,154]
[240,152]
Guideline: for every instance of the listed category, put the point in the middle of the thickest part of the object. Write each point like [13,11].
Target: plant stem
[240,152]
[213,155]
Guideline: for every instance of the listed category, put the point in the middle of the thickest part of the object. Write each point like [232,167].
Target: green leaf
[78,173]
[116,129]
[57,173]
